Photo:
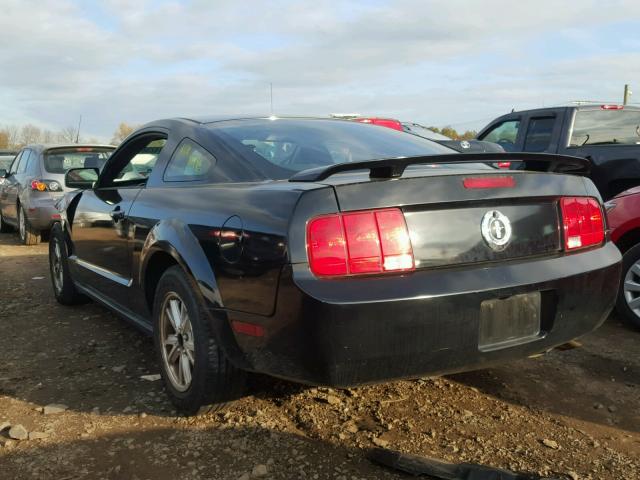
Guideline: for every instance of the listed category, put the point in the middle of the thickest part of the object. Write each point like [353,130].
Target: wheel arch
[628,239]
[171,243]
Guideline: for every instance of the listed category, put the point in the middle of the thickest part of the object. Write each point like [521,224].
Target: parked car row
[326,251]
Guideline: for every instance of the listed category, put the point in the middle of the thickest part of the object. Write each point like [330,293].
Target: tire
[214,380]
[629,290]
[63,288]
[4,227]
[28,235]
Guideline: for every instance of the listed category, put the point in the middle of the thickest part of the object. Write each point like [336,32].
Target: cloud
[434,62]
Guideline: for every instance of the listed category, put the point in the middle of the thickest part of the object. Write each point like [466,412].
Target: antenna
[271,94]
[78,131]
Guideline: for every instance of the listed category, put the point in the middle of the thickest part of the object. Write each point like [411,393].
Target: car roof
[206,119]
[582,106]
[41,147]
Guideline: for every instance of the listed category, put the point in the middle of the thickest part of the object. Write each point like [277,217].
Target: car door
[101,259]
[10,188]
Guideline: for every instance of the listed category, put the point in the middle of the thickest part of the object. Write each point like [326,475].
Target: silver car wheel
[22,227]
[176,337]
[632,288]
[56,266]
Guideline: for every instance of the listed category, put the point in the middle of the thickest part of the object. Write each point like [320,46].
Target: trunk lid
[450,224]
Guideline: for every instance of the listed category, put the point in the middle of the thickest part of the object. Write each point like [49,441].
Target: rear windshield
[287,146]
[606,127]
[61,160]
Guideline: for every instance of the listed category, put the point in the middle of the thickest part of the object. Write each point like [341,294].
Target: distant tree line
[453,133]
[15,137]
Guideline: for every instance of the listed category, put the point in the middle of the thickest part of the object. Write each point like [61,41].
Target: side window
[189,162]
[16,162]
[504,134]
[142,156]
[26,155]
[539,133]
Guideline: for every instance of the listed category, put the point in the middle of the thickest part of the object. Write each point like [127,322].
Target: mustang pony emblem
[496,229]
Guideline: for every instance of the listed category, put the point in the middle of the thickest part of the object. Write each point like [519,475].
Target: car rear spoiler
[395,167]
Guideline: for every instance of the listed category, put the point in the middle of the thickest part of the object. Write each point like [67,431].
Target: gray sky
[438,63]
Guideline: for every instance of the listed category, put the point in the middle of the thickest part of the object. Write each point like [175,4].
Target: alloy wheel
[177,345]
[56,266]
[632,288]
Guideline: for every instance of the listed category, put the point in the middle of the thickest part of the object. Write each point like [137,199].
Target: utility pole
[627,94]
[78,131]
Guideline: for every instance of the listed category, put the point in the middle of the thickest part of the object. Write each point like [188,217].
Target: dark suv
[607,135]
[35,181]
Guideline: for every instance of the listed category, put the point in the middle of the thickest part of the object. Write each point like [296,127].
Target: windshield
[288,146]
[60,160]
[606,127]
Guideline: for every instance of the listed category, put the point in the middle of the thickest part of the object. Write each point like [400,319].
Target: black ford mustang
[286,246]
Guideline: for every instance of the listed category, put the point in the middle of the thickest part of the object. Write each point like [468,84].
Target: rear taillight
[357,243]
[504,165]
[38,185]
[582,222]
[45,185]
[612,107]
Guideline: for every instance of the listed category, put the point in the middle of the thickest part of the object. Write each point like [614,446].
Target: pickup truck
[606,135]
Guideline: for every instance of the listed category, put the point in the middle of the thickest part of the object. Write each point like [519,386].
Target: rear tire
[63,288]
[628,303]
[28,235]
[4,227]
[189,344]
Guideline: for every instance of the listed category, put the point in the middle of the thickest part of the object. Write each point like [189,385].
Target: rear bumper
[356,331]
[42,213]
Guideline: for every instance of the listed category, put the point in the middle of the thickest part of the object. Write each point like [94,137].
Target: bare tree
[48,136]
[13,133]
[68,135]
[4,139]
[30,134]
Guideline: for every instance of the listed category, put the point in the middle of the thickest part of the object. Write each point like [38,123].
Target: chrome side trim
[114,277]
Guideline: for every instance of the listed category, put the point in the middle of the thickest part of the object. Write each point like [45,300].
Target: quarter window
[539,133]
[504,134]
[189,162]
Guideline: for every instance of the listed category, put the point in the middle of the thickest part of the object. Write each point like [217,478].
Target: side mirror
[81,178]
[3,173]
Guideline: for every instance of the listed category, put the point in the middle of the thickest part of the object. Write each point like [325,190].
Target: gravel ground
[71,386]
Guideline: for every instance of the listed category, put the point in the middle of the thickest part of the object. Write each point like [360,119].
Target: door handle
[117,214]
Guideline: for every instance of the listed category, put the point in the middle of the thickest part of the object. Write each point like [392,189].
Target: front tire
[63,288]
[197,375]
[28,235]
[628,303]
